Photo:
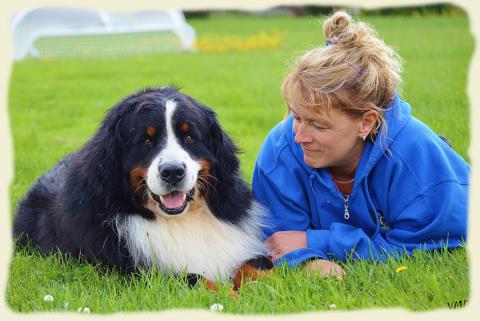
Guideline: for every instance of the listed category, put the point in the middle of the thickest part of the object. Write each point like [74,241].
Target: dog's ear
[224,150]
[100,158]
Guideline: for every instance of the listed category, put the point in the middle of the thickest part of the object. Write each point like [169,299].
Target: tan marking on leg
[212,286]
[248,272]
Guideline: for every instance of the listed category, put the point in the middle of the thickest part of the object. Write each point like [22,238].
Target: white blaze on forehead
[172,152]
[170,107]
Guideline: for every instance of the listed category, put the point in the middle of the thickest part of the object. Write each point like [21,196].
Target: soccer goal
[69,32]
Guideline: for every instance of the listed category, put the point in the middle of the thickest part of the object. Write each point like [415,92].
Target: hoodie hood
[397,116]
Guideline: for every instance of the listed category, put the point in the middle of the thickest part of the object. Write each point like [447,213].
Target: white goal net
[52,32]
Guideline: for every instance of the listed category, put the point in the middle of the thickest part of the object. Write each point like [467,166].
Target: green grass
[56,105]
[431,280]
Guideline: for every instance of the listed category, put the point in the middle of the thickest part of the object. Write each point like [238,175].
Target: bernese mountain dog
[158,184]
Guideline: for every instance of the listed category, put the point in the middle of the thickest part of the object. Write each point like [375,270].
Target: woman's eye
[316,126]
[188,139]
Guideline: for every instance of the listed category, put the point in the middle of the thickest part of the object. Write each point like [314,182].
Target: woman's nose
[301,137]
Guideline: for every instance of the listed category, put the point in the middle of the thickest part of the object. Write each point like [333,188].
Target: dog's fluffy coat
[157,184]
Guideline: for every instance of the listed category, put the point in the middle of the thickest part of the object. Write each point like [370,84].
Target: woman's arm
[287,211]
[424,223]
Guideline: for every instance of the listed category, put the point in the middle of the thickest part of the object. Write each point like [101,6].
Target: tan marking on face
[204,177]
[152,205]
[205,166]
[151,131]
[137,174]
[184,127]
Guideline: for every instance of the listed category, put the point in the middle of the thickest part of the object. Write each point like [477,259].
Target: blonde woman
[350,172]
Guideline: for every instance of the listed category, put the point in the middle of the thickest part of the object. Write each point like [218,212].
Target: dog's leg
[193,279]
[251,270]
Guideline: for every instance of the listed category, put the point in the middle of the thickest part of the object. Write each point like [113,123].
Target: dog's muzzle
[175,202]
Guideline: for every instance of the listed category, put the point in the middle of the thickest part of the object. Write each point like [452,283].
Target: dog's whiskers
[141,184]
[204,183]
[206,175]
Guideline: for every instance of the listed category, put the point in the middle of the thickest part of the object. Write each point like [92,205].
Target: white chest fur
[196,242]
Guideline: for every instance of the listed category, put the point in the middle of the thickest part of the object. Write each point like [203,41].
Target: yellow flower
[401,268]
[229,43]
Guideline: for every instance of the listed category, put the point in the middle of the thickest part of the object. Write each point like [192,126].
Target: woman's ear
[368,123]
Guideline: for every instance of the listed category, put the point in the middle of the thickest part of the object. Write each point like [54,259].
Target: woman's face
[334,141]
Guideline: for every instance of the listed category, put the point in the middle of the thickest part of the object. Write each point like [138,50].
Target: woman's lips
[309,150]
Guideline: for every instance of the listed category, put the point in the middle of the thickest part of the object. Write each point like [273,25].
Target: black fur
[72,207]
[261,263]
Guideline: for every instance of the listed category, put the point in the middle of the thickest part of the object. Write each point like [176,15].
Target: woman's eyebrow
[320,121]
[314,120]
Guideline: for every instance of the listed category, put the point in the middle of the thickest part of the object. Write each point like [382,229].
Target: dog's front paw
[251,270]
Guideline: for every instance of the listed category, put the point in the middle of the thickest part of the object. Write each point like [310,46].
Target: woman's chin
[314,163]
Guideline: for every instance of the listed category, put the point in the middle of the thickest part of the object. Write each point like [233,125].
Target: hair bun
[336,24]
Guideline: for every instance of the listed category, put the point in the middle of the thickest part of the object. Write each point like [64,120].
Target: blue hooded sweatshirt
[411,195]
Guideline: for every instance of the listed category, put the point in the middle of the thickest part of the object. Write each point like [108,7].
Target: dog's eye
[147,141]
[188,139]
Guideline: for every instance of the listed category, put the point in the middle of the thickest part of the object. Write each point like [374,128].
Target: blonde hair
[356,72]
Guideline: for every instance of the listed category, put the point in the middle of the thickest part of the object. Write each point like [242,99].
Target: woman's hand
[324,268]
[280,243]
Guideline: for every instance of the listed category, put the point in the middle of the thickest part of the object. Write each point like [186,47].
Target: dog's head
[169,149]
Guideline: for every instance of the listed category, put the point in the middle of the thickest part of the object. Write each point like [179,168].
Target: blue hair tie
[329,42]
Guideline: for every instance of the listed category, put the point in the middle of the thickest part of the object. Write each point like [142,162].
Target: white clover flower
[83,310]
[48,298]
[332,306]
[216,307]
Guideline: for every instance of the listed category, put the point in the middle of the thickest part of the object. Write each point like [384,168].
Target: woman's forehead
[310,114]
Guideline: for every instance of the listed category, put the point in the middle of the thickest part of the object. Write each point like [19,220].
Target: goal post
[70,32]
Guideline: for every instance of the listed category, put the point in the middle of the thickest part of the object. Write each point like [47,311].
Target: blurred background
[48,32]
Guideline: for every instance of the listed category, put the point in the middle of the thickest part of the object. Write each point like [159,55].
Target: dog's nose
[172,173]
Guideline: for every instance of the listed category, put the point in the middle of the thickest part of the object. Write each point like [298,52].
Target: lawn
[56,105]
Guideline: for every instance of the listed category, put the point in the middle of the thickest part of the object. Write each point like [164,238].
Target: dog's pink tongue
[173,200]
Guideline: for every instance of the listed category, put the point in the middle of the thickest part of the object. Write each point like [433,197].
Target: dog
[157,185]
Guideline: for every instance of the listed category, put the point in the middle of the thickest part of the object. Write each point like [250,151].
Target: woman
[351,173]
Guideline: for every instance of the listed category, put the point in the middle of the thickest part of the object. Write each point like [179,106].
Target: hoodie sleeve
[283,195]
[433,219]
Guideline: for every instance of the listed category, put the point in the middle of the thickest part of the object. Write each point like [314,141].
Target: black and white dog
[158,184]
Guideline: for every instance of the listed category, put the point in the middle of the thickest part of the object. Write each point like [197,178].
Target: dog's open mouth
[173,203]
